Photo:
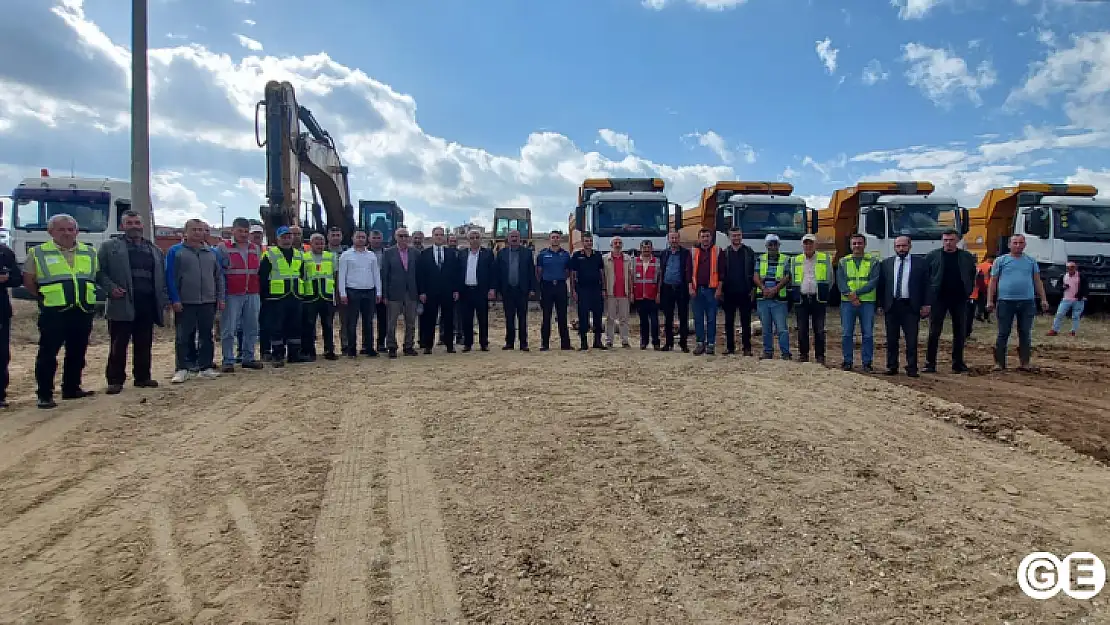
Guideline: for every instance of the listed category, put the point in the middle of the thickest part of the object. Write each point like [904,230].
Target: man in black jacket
[437,280]
[736,278]
[478,285]
[516,280]
[10,277]
[676,266]
[951,280]
[903,280]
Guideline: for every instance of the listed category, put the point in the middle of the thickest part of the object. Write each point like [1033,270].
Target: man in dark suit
[399,291]
[10,277]
[479,285]
[951,280]
[902,283]
[516,280]
[676,264]
[437,273]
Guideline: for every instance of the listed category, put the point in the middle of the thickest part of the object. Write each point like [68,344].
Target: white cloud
[827,54]
[873,72]
[914,9]
[248,43]
[1080,73]
[617,140]
[1100,179]
[250,22]
[1047,37]
[719,146]
[712,5]
[789,173]
[940,74]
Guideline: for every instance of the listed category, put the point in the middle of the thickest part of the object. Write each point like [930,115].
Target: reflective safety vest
[63,286]
[714,279]
[644,278]
[858,276]
[319,277]
[241,277]
[284,276]
[822,274]
[771,281]
[982,277]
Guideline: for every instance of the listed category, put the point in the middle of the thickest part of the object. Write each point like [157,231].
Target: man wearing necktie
[437,279]
[902,283]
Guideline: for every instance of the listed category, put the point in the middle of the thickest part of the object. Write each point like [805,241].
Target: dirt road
[503,487]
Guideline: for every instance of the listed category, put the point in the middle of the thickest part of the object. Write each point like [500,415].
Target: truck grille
[1096,269]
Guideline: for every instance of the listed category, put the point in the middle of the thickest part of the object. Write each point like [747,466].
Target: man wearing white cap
[812,281]
[772,279]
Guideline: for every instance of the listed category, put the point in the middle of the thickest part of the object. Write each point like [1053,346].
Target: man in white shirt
[437,275]
[479,284]
[360,289]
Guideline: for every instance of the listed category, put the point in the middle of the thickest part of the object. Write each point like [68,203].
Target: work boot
[114,389]
[598,344]
[254,364]
[684,346]
[699,349]
[329,356]
[46,403]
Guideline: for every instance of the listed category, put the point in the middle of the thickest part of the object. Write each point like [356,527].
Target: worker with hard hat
[772,282]
[812,279]
[857,279]
[317,293]
[279,275]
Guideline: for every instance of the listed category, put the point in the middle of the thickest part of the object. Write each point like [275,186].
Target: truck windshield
[380,221]
[505,225]
[1082,223]
[631,217]
[788,221]
[91,214]
[921,221]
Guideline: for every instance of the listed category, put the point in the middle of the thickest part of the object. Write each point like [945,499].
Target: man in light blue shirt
[1015,285]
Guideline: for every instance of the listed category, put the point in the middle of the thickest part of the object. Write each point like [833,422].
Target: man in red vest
[645,294]
[240,259]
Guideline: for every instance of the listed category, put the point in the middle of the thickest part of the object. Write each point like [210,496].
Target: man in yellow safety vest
[279,276]
[318,298]
[857,280]
[812,281]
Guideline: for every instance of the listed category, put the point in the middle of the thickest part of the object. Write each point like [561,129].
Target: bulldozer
[506,220]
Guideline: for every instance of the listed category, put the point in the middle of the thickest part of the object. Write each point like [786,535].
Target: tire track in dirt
[347,536]
[241,516]
[20,443]
[165,550]
[424,589]
[74,612]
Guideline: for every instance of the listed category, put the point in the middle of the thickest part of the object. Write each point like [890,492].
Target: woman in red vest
[645,294]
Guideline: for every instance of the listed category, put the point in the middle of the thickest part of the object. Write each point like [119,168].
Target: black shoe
[484,348]
[466,348]
[545,348]
[960,369]
[114,389]
[584,348]
[392,353]
[912,373]
[77,394]
[46,403]
[524,348]
[729,351]
[643,346]
[685,348]
[747,352]
[154,383]
[451,350]
[506,348]
[371,353]
[277,363]
[667,348]
[891,371]
[846,366]
[330,356]
[929,369]
[254,364]
[868,369]
[3,404]
[409,352]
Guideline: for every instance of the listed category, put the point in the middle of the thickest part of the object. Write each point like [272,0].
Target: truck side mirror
[580,218]
[677,217]
[813,220]
[965,221]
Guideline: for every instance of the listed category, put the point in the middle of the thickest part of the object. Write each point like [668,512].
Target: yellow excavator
[505,220]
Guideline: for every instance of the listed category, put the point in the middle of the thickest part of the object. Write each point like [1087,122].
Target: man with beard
[437,275]
[951,280]
[902,283]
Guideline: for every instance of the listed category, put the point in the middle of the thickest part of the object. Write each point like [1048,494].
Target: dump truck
[505,220]
[758,208]
[883,211]
[1061,222]
[635,209]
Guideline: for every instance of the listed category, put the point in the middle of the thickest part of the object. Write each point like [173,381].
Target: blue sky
[453,108]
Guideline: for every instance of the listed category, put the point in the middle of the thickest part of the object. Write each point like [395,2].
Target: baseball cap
[257,228]
[283,231]
[809,237]
[771,238]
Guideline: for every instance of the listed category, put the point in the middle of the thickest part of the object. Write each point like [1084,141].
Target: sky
[454,108]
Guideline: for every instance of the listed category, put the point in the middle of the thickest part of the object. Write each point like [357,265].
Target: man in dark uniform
[10,277]
[675,264]
[587,284]
[739,267]
[552,269]
[279,276]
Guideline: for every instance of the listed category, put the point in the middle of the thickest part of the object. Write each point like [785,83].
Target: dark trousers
[380,310]
[902,320]
[670,298]
[320,311]
[361,304]
[742,302]
[283,320]
[553,297]
[1008,310]
[811,315]
[139,334]
[69,329]
[439,309]
[649,321]
[590,302]
[194,347]
[515,302]
[942,308]
[474,302]
[5,355]
[341,312]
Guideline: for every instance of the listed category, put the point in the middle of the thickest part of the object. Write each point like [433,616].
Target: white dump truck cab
[924,218]
[1059,228]
[760,215]
[634,209]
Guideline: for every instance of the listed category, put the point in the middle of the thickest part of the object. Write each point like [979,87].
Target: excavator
[289,152]
[505,220]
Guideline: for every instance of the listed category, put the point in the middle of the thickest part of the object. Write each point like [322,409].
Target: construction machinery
[757,208]
[385,216]
[505,220]
[1060,222]
[883,211]
[635,209]
[291,152]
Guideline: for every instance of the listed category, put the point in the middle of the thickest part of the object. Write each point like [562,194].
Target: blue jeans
[1024,310]
[772,314]
[848,316]
[240,311]
[1074,308]
[705,316]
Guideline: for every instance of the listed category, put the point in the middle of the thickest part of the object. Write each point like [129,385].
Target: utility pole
[222,208]
[140,118]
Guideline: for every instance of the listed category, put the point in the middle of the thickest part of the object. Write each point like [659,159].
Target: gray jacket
[115,272]
[398,284]
[194,275]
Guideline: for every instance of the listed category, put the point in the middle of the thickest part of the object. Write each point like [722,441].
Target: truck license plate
[1098,286]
